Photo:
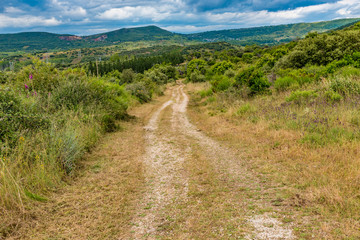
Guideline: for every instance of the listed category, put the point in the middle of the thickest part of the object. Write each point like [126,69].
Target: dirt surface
[162,178]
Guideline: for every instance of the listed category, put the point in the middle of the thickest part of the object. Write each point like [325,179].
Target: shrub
[127,76]
[197,77]
[302,96]
[246,108]
[332,96]
[345,87]
[205,93]
[196,66]
[285,83]
[254,79]
[221,67]
[221,83]
[108,123]
[140,91]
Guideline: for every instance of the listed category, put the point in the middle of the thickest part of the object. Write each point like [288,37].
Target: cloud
[27,21]
[13,10]
[176,15]
[134,13]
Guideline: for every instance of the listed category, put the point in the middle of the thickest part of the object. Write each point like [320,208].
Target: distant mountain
[133,34]
[49,41]
[43,41]
[270,34]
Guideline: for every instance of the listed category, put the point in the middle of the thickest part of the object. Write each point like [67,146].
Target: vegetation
[302,97]
[269,35]
[51,117]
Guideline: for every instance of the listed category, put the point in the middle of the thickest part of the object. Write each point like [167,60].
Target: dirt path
[162,178]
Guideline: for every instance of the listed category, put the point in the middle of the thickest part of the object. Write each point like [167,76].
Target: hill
[270,34]
[49,41]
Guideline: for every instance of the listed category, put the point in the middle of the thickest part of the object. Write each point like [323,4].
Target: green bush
[197,77]
[205,93]
[221,83]
[196,66]
[285,83]
[246,108]
[345,87]
[108,123]
[221,67]
[140,91]
[302,96]
[254,79]
[332,96]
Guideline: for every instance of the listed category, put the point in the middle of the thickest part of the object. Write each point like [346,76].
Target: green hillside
[270,34]
[134,34]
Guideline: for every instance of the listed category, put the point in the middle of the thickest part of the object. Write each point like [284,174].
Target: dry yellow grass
[99,203]
[320,181]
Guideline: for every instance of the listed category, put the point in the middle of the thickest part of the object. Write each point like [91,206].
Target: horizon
[143,26]
[85,18]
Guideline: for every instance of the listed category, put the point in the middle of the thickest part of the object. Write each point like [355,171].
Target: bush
[221,67]
[221,83]
[127,76]
[196,66]
[254,79]
[285,83]
[345,87]
[140,91]
[301,96]
[205,93]
[246,108]
[197,77]
[331,96]
[108,123]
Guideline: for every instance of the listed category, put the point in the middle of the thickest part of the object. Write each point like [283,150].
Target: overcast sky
[85,17]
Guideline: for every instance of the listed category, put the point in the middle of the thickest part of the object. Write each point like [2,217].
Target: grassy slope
[269,34]
[261,35]
[320,181]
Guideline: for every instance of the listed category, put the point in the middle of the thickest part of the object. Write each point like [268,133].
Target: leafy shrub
[332,96]
[196,66]
[254,79]
[302,96]
[285,83]
[246,108]
[347,72]
[140,91]
[41,77]
[108,123]
[205,93]
[107,96]
[157,76]
[345,87]
[16,116]
[197,77]
[230,73]
[221,67]
[127,76]
[221,83]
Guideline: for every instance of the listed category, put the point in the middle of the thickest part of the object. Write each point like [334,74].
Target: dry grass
[99,202]
[321,181]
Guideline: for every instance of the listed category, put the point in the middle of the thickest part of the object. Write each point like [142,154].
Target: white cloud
[192,28]
[13,10]
[135,13]
[27,21]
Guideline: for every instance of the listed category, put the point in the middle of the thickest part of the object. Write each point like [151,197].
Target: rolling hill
[270,34]
[29,41]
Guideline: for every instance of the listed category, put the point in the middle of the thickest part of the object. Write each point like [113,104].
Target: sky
[86,17]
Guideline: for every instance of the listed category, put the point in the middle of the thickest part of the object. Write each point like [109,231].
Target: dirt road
[163,180]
